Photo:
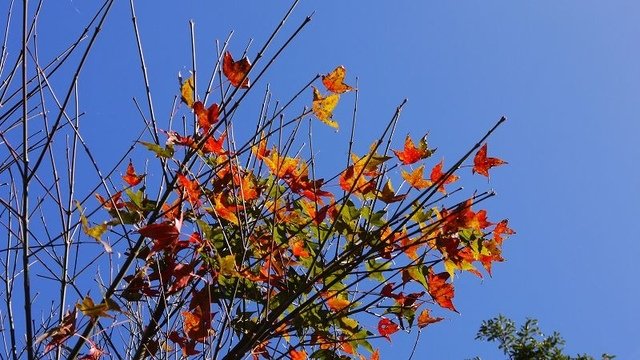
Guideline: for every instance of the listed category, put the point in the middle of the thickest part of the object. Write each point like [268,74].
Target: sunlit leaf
[93,310]
[425,319]
[387,327]
[323,106]
[334,81]
[130,177]
[236,71]
[440,290]
[482,163]
[187,91]
[411,154]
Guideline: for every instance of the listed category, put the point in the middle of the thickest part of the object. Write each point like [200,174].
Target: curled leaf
[425,319]
[236,71]
[334,81]
[187,91]
[323,106]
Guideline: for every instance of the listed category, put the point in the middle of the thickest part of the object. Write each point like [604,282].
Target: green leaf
[376,268]
[164,152]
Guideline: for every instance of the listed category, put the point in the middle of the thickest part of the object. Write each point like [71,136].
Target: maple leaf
[190,189]
[388,195]
[334,81]
[114,202]
[188,346]
[213,145]
[323,106]
[334,302]
[94,231]
[489,253]
[60,333]
[131,177]
[436,175]
[425,319]
[298,249]
[224,209]
[415,178]
[441,291]
[387,327]
[164,235]
[236,71]
[482,163]
[93,310]
[94,353]
[196,327]
[411,154]
[297,354]
[186,91]
[206,117]
[502,228]
[260,150]
[374,356]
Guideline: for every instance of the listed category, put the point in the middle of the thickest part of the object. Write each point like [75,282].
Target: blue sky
[565,73]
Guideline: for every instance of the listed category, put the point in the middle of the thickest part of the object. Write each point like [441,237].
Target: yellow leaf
[228,265]
[95,231]
[89,308]
[323,107]
[186,90]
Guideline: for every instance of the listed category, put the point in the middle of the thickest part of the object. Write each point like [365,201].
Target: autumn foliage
[235,246]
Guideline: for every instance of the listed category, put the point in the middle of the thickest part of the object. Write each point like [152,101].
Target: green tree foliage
[527,342]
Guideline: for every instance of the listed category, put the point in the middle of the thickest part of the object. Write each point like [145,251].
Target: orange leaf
[502,228]
[387,327]
[189,189]
[236,71]
[441,291]
[411,154]
[216,146]
[113,202]
[415,178]
[131,177]
[297,354]
[298,249]
[261,150]
[206,117]
[425,319]
[436,175]
[334,81]
[334,302]
[224,209]
[196,326]
[323,106]
[482,163]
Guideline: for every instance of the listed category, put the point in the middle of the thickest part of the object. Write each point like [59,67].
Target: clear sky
[565,72]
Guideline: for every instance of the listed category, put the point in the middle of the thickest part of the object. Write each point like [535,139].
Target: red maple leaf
[502,228]
[131,177]
[387,327]
[482,163]
[236,71]
[441,291]
[411,154]
[436,175]
[164,235]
